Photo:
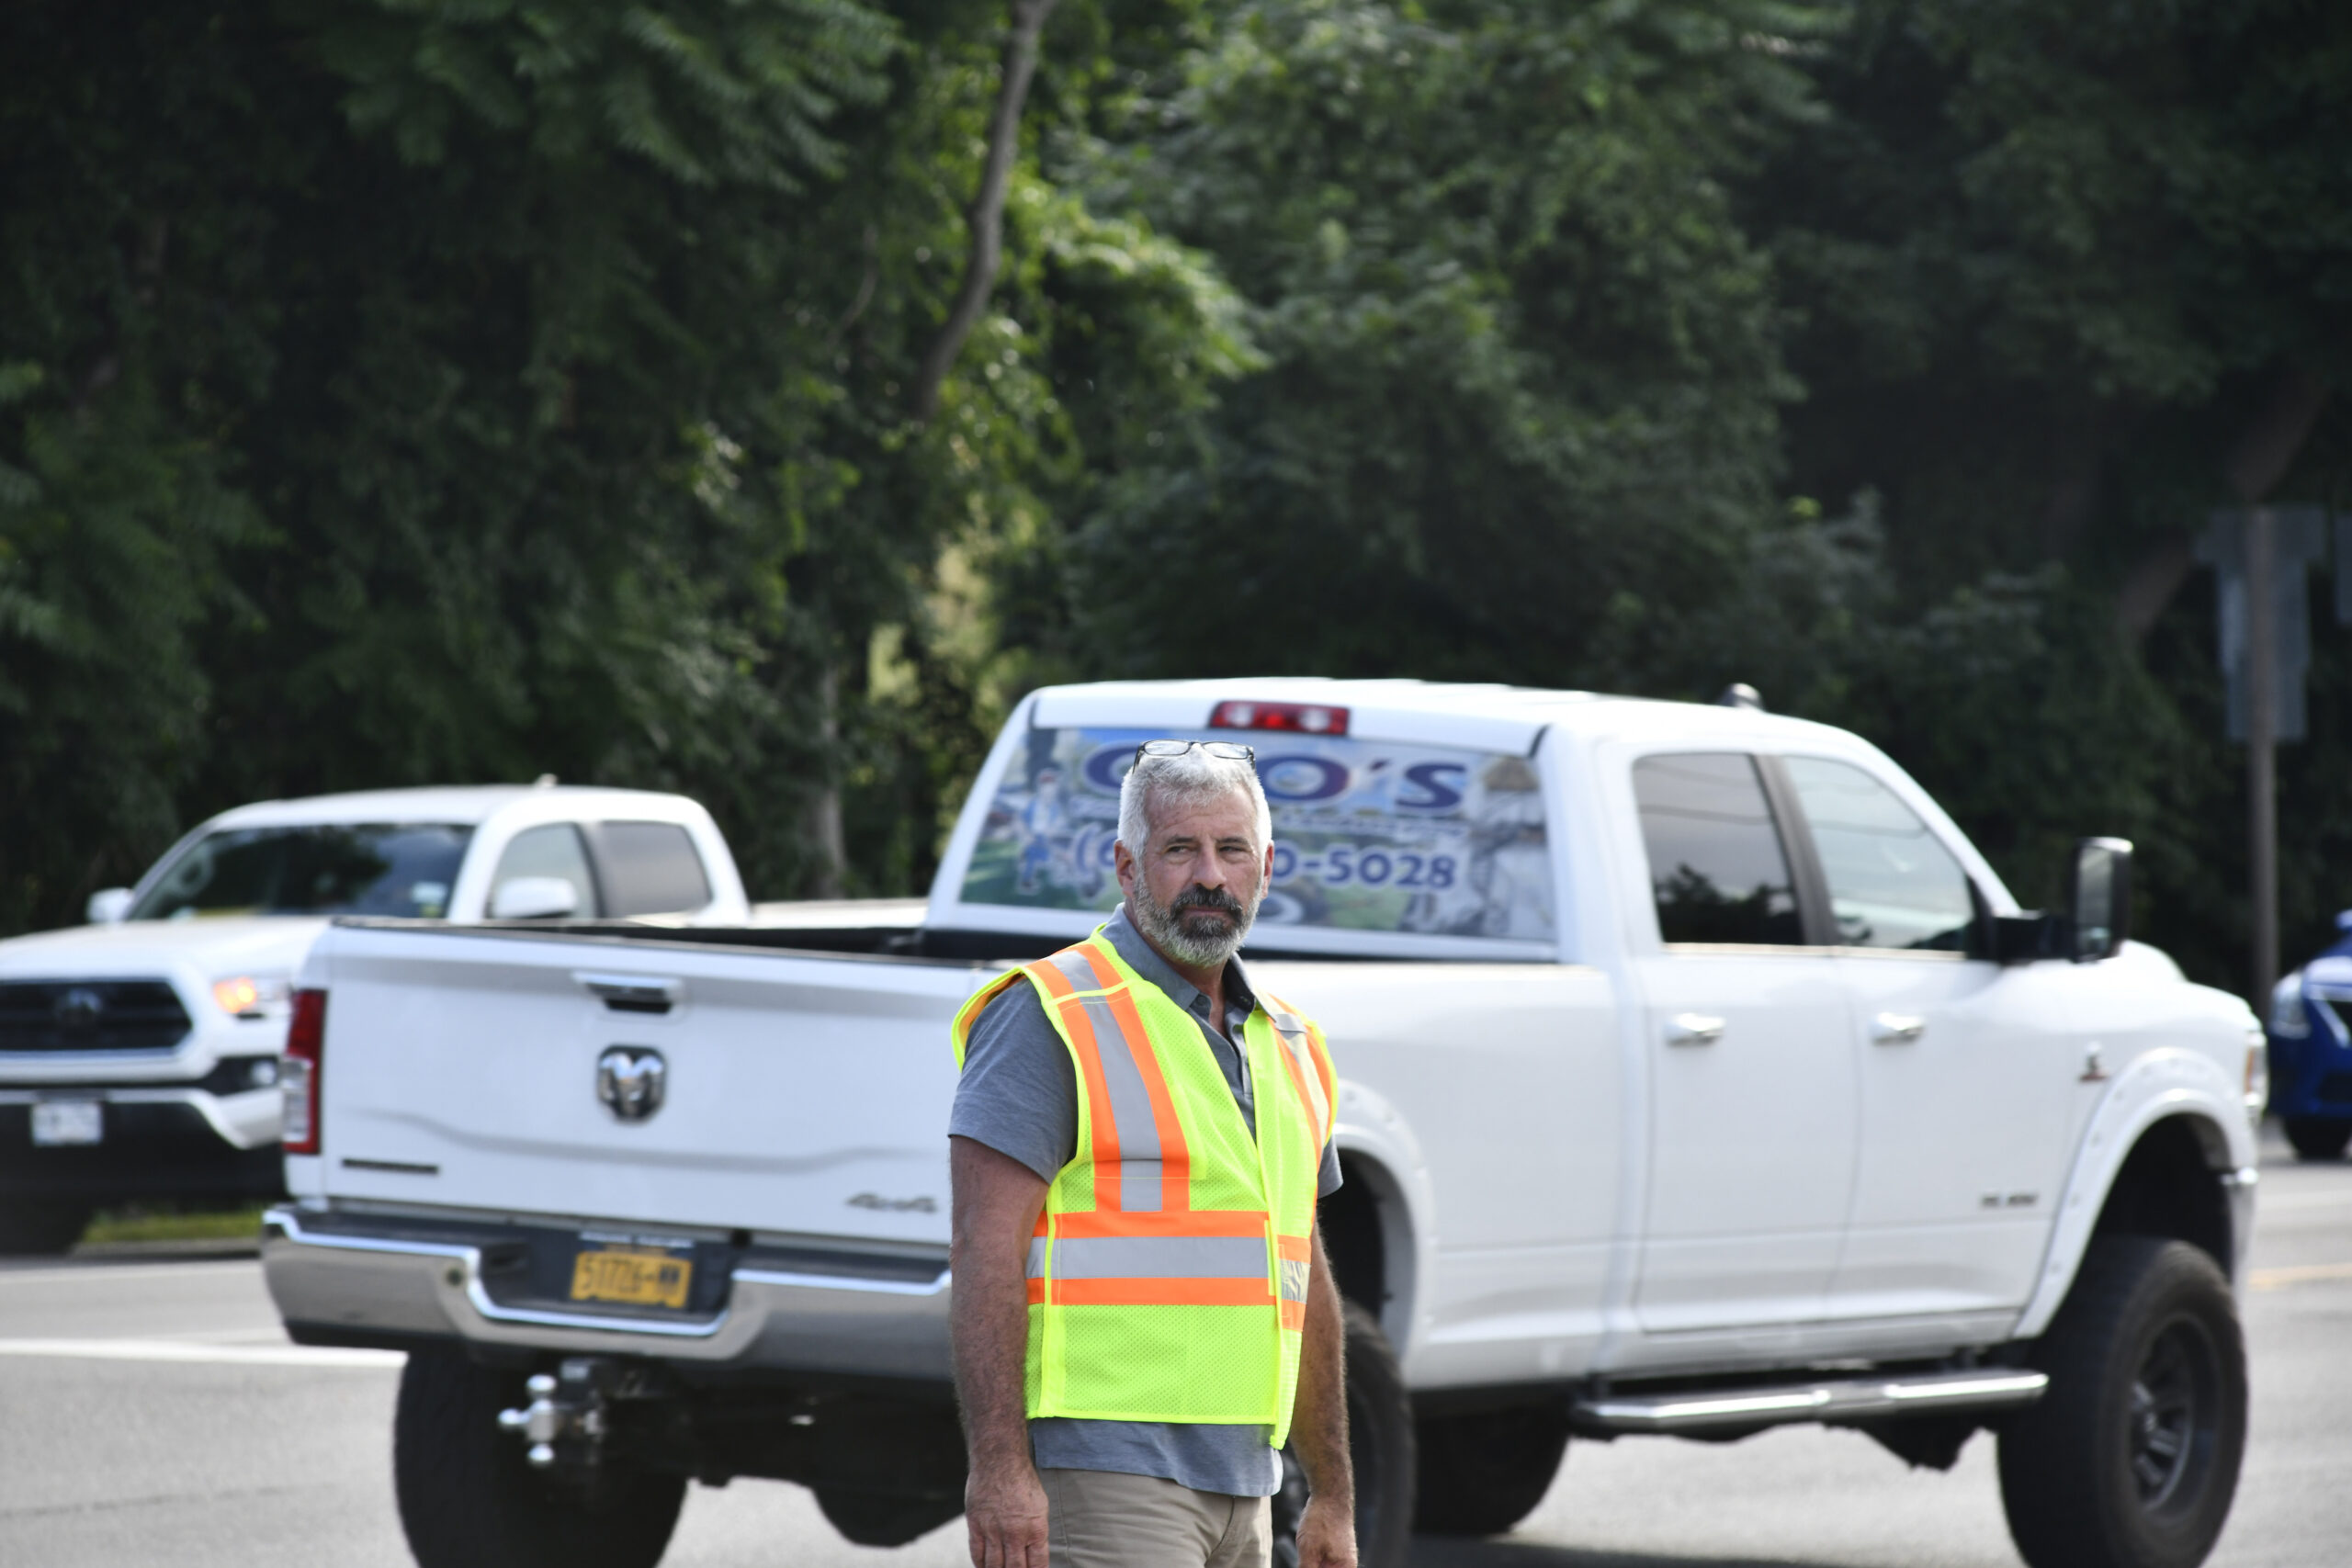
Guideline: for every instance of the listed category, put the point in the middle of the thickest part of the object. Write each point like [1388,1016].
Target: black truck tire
[2131,1460]
[884,1518]
[1380,1450]
[1482,1473]
[40,1227]
[2319,1137]
[469,1499]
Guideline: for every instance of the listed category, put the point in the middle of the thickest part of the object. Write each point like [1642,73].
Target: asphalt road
[151,1413]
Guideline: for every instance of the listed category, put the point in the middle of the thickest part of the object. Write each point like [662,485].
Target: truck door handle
[1693,1028]
[1897,1028]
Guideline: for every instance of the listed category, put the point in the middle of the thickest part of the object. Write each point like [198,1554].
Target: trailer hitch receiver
[566,1420]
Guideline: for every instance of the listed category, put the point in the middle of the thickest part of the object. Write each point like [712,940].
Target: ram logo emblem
[631,1080]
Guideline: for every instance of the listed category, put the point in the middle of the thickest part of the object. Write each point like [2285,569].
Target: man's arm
[997,1202]
[1318,1426]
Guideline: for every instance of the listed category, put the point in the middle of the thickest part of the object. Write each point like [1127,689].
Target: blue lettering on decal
[1282,778]
[1108,767]
[1441,797]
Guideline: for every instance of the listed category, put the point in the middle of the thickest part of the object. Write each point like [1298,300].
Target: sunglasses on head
[1225,750]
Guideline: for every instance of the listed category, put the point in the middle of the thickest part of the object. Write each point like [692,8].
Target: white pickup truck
[1697,1076]
[138,1054]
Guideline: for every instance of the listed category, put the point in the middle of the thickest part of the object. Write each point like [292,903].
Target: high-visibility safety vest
[1168,1274]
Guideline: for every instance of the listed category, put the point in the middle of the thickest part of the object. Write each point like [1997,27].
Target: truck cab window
[1717,870]
[650,868]
[553,850]
[1892,883]
[355,868]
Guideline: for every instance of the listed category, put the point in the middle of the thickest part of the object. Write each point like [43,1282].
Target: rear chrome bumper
[350,1286]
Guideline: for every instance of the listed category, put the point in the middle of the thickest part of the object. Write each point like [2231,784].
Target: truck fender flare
[2156,1087]
[1380,1149]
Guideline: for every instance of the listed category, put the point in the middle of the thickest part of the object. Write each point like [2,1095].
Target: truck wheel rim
[2175,1407]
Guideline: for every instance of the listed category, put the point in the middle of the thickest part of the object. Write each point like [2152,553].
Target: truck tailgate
[804,1094]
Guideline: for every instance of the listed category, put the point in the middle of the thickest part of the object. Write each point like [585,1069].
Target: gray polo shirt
[1019,1096]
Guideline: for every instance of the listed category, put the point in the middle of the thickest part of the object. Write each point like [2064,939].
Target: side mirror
[108,906]
[2098,899]
[534,899]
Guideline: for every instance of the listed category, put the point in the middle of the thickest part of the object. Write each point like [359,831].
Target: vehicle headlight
[252,995]
[2288,1018]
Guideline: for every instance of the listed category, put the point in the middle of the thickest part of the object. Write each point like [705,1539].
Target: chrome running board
[1699,1412]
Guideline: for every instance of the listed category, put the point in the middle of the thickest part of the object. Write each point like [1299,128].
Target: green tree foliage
[415,392]
[2070,276]
[1555,300]
[1522,369]
[408,389]
[110,537]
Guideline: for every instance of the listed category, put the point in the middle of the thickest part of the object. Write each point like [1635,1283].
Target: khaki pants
[1099,1518]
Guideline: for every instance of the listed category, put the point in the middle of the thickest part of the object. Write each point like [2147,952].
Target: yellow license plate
[633,1276]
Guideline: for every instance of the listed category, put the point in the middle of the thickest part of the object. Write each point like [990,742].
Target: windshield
[337,869]
[1369,835]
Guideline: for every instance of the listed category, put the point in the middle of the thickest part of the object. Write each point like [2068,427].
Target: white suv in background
[139,1054]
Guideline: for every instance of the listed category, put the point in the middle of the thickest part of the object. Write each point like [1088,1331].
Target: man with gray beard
[1159,985]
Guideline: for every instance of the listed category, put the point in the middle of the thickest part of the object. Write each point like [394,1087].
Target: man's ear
[1122,866]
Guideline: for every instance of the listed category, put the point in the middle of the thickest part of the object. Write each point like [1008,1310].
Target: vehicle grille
[90,1015]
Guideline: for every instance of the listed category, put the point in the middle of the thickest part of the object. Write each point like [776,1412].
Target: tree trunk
[986,218]
[2155,577]
[2077,474]
[2261,759]
[2260,460]
[824,818]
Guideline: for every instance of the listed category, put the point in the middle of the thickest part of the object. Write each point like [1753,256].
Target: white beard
[1208,947]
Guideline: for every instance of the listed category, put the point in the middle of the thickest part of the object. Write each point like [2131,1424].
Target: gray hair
[1193,778]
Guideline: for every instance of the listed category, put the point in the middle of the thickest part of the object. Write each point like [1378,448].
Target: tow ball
[568,1408]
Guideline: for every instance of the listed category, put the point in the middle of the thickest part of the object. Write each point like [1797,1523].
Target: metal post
[2261,769]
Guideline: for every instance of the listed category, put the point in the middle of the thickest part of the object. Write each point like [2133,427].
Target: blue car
[2310,1051]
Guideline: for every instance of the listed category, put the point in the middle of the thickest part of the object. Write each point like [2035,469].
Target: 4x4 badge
[631,1080]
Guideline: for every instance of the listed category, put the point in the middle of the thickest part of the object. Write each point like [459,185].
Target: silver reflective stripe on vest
[1152,1258]
[1291,1277]
[1291,1029]
[1138,1131]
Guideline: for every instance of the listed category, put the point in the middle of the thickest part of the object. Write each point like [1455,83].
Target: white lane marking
[2298,1274]
[218,1355]
[92,1273]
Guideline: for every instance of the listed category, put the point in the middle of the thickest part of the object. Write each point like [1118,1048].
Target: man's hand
[1327,1535]
[998,1200]
[1004,1510]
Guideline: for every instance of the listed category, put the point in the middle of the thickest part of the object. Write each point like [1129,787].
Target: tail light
[1304,719]
[306,1039]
